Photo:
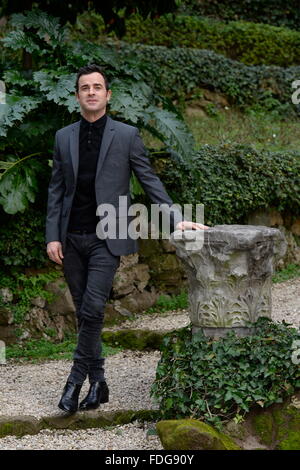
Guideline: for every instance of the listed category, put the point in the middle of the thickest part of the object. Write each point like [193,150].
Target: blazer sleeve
[56,192]
[149,180]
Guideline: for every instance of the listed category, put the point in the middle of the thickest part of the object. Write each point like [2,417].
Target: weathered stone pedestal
[229,269]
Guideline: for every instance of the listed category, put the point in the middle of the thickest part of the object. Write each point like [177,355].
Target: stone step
[132,436]
[145,332]
[154,322]
[29,394]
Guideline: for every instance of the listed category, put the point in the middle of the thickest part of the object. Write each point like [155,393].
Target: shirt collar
[96,124]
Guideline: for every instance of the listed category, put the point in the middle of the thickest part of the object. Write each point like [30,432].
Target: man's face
[92,94]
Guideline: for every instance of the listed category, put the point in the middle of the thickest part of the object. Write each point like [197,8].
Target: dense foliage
[22,238]
[229,181]
[40,100]
[216,380]
[275,12]
[24,288]
[112,12]
[250,43]
[178,72]
[233,180]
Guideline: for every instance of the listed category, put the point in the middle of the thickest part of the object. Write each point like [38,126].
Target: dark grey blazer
[122,151]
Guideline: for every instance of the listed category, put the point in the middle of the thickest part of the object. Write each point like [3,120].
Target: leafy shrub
[178,72]
[275,12]
[40,99]
[215,380]
[246,42]
[234,180]
[24,288]
[22,240]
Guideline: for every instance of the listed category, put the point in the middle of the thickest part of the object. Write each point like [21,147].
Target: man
[92,163]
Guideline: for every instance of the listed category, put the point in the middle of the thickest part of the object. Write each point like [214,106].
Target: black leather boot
[69,399]
[98,393]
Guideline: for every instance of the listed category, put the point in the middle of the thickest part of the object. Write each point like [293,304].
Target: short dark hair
[90,68]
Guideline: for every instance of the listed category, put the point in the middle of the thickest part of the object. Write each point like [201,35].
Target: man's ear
[108,96]
[76,96]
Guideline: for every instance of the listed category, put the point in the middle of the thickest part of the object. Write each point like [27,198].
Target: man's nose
[91,91]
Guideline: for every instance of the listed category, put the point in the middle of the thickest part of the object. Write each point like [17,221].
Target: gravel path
[286,302]
[35,389]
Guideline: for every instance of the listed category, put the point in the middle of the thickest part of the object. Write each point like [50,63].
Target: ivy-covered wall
[177,72]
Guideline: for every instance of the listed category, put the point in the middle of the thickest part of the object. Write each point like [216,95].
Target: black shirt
[83,213]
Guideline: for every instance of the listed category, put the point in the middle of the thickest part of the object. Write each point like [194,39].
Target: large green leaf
[171,130]
[20,40]
[80,53]
[58,87]
[130,99]
[133,101]
[135,186]
[15,109]
[19,185]
[16,77]
[47,27]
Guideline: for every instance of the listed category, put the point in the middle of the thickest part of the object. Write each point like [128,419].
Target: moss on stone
[264,427]
[294,415]
[236,430]
[191,434]
[6,429]
[19,426]
[287,421]
[97,419]
[291,442]
[278,426]
[134,339]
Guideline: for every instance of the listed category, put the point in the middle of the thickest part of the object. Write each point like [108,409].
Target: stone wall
[139,281]
[141,278]
[285,222]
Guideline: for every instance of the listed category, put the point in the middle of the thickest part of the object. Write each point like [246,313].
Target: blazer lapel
[107,138]
[74,147]
[108,135]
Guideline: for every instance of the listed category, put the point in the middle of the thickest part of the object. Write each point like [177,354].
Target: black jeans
[89,269]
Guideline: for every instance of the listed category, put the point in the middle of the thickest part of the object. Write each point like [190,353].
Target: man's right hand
[54,251]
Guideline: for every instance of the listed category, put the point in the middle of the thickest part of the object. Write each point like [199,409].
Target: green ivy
[179,72]
[22,239]
[234,180]
[24,289]
[217,380]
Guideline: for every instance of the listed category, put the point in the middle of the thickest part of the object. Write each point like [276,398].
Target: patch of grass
[36,350]
[165,303]
[262,130]
[292,271]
